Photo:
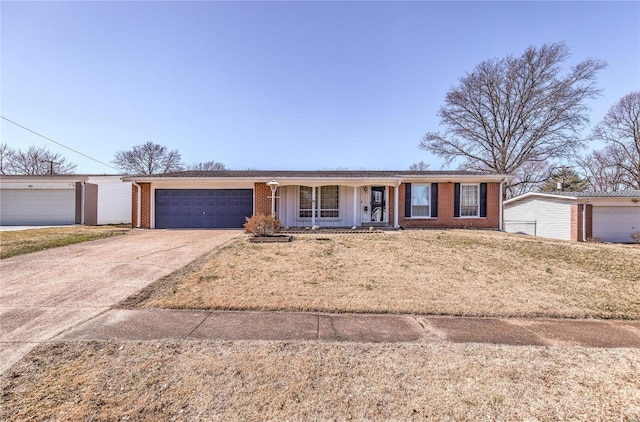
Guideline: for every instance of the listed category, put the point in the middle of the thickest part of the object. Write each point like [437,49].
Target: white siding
[552,217]
[114,200]
[615,224]
[288,209]
[37,207]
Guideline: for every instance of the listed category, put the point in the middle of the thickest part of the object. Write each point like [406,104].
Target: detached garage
[576,216]
[42,201]
[64,200]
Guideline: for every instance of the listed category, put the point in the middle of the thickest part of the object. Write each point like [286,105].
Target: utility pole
[51,163]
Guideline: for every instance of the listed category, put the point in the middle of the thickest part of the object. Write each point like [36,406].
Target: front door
[377,204]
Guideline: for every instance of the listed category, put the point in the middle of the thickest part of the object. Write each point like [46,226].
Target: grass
[21,242]
[441,272]
[456,272]
[320,381]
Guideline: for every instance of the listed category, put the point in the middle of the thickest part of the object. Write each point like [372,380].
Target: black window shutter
[483,199]
[456,200]
[407,199]
[434,200]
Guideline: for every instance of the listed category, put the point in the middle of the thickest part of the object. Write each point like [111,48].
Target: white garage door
[615,224]
[37,207]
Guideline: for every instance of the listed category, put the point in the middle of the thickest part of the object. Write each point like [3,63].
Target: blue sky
[276,85]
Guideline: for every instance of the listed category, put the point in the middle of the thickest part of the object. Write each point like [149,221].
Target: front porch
[336,206]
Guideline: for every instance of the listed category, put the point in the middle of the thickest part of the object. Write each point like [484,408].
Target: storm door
[378,206]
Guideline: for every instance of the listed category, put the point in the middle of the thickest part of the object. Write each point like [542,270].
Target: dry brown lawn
[20,242]
[320,381]
[452,272]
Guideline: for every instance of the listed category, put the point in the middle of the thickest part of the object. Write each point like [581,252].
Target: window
[420,200]
[305,202]
[327,201]
[469,200]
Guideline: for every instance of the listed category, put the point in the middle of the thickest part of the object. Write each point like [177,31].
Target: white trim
[396,197]
[355,207]
[477,215]
[428,185]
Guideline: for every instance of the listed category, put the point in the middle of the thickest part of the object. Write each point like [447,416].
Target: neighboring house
[61,200]
[410,199]
[576,216]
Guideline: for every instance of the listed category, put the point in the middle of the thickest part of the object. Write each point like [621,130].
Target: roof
[591,194]
[578,196]
[309,173]
[292,175]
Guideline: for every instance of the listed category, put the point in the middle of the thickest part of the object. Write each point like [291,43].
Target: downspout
[501,223]
[138,205]
[584,222]
[82,202]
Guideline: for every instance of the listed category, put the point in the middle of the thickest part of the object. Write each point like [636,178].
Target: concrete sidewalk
[154,324]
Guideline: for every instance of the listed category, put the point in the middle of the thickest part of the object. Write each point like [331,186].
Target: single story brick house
[408,199]
[64,200]
[576,216]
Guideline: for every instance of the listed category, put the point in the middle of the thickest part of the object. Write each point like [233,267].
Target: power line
[58,143]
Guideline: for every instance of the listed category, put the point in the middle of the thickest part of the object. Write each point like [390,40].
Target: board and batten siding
[289,206]
[552,217]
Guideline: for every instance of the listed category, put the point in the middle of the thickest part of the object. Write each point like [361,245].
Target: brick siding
[262,199]
[577,223]
[145,218]
[446,217]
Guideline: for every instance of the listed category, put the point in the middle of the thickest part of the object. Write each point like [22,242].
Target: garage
[202,208]
[615,224]
[37,207]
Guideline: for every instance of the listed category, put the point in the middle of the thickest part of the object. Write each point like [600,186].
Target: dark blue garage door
[203,208]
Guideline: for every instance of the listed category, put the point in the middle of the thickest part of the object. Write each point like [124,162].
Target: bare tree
[35,161]
[602,171]
[148,158]
[6,158]
[419,166]
[529,177]
[620,129]
[516,110]
[207,166]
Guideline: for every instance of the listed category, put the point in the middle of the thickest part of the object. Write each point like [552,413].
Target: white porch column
[396,195]
[313,206]
[355,206]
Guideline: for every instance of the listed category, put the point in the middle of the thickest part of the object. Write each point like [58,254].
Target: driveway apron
[45,293]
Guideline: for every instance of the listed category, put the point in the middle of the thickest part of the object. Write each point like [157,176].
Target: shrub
[636,236]
[262,225]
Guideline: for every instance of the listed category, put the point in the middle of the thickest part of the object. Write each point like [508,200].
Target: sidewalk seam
[199,324]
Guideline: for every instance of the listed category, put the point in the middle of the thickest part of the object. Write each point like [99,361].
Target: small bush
[636,236]
[262,225]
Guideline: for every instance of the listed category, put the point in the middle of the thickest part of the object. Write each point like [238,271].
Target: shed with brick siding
[408,199]
[575,216]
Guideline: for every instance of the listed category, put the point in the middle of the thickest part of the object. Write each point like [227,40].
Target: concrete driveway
[45,293]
